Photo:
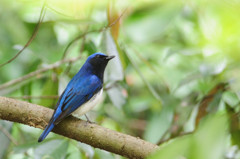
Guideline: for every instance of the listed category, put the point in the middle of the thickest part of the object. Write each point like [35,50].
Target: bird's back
[79,91]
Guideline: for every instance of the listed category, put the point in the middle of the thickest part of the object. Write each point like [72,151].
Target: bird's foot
[88,121]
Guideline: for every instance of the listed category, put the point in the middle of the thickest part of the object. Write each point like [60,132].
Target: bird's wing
[77,93]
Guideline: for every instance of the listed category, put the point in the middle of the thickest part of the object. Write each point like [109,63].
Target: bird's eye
[98,56]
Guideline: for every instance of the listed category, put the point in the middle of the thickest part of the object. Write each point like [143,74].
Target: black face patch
[100,57]
[99,62]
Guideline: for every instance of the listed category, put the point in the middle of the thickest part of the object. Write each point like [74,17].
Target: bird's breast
[83,109]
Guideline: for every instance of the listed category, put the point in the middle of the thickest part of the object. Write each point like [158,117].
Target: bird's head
[98,61]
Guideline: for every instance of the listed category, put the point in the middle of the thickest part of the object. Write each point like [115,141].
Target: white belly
[88,105]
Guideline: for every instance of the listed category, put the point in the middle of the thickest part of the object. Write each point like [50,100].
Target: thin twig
[37,72]
[114,84]
[35,97]
[75,39]
[5,132]
[91,31]
[149,86]
[164,83]
[68,68]
[58,12]
[115,21]
[42,13]
[80,51]
[82,45]
[180,135]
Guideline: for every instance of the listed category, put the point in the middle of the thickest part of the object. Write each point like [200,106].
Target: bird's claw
[88,121]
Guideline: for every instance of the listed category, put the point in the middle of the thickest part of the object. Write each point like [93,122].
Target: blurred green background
[177,71]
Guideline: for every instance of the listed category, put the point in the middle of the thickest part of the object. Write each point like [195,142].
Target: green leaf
[89,150]
[73,151]
[149,86]
[110,124]
[177,149]
[52,149]
[25,147]
[27,90]
[5,141]
[100,154]
[230,98]
[158,124]
[50,88]
[114,71]
[143,28]
[90,47]
[116,95]
[234,121]
[208,142]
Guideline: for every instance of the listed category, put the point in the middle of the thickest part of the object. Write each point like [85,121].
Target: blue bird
[81,92]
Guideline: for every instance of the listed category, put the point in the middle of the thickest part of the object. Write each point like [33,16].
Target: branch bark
[92,134]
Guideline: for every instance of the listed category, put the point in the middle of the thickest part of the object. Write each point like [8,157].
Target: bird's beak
[109,57]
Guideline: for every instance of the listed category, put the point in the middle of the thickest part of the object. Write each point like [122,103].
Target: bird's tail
[49,127]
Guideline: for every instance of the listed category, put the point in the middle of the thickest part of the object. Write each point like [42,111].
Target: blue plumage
[83,86]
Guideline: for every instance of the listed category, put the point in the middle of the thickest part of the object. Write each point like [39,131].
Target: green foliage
[172,59]
[5,128]
[209,141]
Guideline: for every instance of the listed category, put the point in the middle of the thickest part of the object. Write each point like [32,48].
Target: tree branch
[37,72]
[92,134]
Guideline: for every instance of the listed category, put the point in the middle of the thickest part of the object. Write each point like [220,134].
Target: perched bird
[81,92]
